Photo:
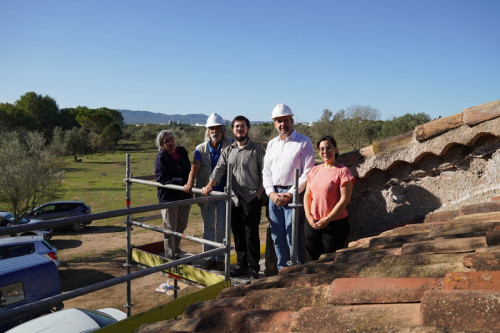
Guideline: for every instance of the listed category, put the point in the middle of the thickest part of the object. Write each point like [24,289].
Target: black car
[59,209]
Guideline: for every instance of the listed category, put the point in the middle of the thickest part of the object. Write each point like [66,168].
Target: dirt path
[98,254]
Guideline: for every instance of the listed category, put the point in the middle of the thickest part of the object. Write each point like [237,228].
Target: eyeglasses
[167,140]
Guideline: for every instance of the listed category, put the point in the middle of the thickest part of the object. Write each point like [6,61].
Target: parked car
[11,247]
[24,280]
[59,209]
[7,219]
[71,320]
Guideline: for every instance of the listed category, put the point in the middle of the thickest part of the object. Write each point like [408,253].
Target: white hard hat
[281,110]
[214,120]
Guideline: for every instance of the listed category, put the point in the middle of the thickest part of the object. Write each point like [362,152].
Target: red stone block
[482,261]
[438,126]
[452,245]
[392,143]
[484,280]
[480,217]
[380,290]
[351,158]
[367,151]
[441,216]
[484,207]
[495,198]
[493,238]
[461,309]
[482,112]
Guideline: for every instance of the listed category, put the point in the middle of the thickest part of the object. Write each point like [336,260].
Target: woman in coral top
[328,192]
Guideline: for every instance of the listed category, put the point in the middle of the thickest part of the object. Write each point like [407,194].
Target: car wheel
[79,226]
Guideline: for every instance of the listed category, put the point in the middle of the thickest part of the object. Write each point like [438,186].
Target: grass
[99,181]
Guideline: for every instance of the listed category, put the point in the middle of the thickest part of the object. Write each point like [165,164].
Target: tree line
[34,132]
[70,131]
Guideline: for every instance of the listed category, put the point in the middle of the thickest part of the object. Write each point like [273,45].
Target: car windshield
[102,319]
[9,216]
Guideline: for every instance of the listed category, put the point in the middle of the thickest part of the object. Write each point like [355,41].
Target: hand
[259,192]
[286,197]
[188,187]
[311,222]
[322,223]
[277,198]
[206,190]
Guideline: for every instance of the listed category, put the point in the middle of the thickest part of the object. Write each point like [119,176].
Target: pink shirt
[325,187]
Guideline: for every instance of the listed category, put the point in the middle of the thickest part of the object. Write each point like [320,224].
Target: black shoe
[239,270]
[210,264]
[254,275]
[220,266]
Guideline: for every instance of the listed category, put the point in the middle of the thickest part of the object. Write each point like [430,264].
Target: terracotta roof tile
[462,309]
[437,276]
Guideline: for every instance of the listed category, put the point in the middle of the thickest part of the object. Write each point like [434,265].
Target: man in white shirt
[285,153]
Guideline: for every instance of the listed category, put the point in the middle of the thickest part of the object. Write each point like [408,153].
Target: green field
[99,181]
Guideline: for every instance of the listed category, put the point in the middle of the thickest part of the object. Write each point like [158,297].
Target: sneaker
[210,264]
[239,270]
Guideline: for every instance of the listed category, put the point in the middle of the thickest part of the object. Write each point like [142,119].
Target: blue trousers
[214,224]
[281,231]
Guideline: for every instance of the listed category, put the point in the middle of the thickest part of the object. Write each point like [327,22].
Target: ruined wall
[406,177]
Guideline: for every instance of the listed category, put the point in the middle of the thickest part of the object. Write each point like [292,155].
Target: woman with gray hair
[172,166]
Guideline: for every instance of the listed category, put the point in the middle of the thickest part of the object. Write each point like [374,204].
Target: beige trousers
[175,219]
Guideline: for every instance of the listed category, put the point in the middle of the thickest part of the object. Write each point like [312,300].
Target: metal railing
[128,212]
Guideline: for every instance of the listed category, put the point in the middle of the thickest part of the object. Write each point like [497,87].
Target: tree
[355,125]
[116,116]
[324,126]
[77,142]
[93,120]
[29,173]
[41,113]
[110,135]
[68,118]
[403,124]
[71,142]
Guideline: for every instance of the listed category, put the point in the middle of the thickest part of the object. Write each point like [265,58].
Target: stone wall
[438,167]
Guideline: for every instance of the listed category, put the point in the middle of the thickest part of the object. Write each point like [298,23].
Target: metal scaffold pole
[227,240]
[128,262]
[295,219]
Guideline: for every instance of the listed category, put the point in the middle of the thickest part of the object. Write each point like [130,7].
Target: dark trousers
[327,240]
[245,221]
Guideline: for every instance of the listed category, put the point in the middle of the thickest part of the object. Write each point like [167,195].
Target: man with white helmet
[285,153]
[206,156]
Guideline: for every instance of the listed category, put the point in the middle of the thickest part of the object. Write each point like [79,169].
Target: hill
[147,117]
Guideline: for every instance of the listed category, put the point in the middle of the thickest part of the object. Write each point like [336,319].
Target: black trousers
[245,221]
[327,240]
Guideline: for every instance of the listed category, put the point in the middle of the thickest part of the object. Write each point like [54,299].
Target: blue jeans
[214,224]
[281,231]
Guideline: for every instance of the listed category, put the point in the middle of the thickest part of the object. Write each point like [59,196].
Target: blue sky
[244,57]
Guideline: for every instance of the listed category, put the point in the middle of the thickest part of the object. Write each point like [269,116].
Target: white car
[71,321]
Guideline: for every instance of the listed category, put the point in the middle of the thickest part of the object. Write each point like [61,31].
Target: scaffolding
[158,264]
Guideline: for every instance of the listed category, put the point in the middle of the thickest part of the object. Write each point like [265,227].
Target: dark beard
[240,139]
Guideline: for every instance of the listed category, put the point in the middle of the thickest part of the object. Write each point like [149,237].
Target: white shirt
[283,157]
